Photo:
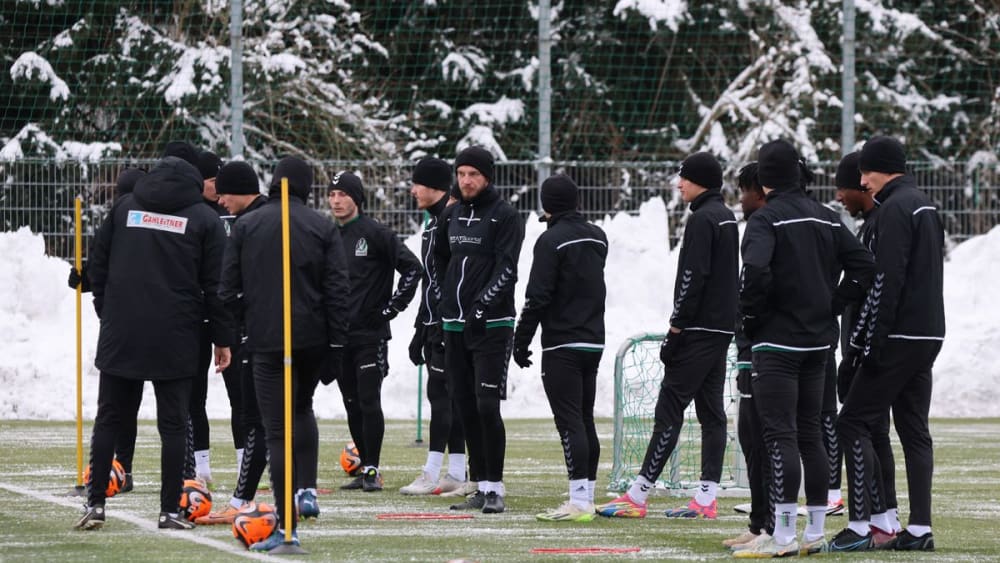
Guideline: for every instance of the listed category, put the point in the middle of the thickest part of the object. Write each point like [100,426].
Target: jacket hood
[171,185]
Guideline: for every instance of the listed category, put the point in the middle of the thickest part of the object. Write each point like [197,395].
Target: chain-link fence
[39,193]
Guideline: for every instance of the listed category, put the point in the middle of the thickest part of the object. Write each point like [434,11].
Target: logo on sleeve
[361,249]
[156,221]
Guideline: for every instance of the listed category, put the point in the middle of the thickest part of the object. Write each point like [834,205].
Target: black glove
[78,278]
[872,361]
[98,305]
[671,342]
[475,321]
[334,365]
[750,325]
[521,356]
[417,345]
[743,381]
[846,371]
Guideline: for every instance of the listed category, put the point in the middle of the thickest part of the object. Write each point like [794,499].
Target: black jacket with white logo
[906,300]
[478,244]
[708,268]
[154,272]
[566,290]
[792,250]
[430,280]
[319,279]
[374,254]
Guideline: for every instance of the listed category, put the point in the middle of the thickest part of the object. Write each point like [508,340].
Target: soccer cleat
[422,485]
[225,517]
[307,504]
[446,485]
[622,507]
[881,538]
[493,504]
[464,489]
[475,501]
[758,539]
[835,507]
[128,486]
[355,484]
[274,540]
[171,521]
[694,510]
[813,547]
[568,512]
[848,540]
[745,537]
[905,541]
[767,548]
[92,519]
[371,481]
[207,482]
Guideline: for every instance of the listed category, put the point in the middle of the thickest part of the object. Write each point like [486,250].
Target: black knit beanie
[184,151]
[237,178]
[883,154]
[209,164]
[778,166]
[559,194]
[433,173]
[478,158]
[848,176]
[127,179]
[299,174]
[350,185]
[703,169]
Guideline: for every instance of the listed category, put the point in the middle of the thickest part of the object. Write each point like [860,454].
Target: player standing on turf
[432,179]
[898,336]
[374,253]
[566,294]
[791,251]
[694,350]
[477,248]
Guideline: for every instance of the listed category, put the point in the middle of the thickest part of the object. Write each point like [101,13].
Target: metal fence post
[847,82]
[544,95]
[236,85]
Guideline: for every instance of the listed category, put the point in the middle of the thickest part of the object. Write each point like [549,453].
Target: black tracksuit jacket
[319,279]
[477,247]
[906,300]
[430,280]
[850,317]
[708,268]
[374,253]
[154,272]
[566,290]
[791,251]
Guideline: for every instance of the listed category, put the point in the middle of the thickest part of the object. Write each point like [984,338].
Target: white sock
[201,465]
[591,485]
[236,502]
[239,460]
[918,531]
[456,466]
[815,524]
[433,465]
[639,491]
[706,492]
[579,493]
[893,514]
[833,495]
[882,522]
[484,486]
[784,522]
[860,527]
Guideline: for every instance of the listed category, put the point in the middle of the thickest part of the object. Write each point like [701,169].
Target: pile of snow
[37,311]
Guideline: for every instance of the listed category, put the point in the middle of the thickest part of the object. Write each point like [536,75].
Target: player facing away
[565,295]
[792,250]
[374,253]
[694,350]
[478,244]
[319,313]
[899,332]
[432,179]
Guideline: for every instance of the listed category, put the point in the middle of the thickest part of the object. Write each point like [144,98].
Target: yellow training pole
[79,347]
[286,300]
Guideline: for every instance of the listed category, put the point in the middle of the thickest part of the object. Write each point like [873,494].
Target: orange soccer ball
[255,522]
[116,479]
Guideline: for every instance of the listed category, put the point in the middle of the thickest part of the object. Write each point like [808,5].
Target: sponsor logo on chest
[156,221]
[361,248]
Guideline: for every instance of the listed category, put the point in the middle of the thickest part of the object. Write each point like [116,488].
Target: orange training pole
[286,300]
[78,239]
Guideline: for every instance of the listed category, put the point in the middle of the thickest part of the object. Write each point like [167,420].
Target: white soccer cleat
[422,485]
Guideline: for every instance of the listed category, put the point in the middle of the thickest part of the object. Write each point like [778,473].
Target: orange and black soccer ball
[350,459]
[255,522]
[195,501]
[116,479]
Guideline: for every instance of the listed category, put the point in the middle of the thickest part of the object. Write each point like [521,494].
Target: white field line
[136,520]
